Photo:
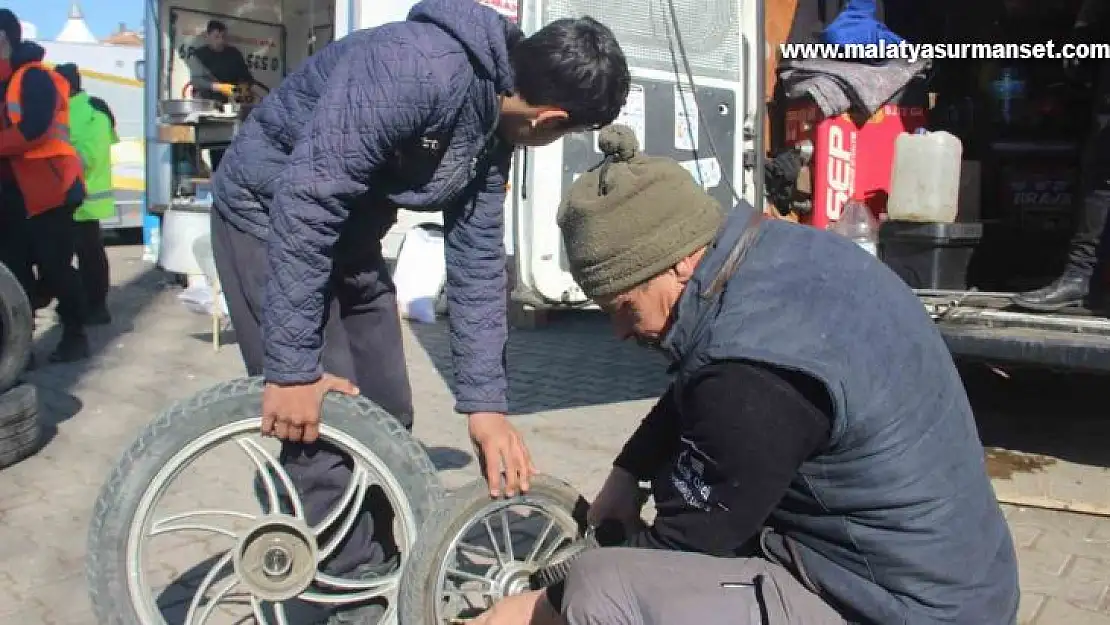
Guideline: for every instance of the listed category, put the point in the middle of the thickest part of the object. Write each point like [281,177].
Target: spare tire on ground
[16,329]
[20,431]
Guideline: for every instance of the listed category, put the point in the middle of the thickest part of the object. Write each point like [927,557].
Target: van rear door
[696,79]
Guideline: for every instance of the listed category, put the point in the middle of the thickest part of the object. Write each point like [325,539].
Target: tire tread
[20,430]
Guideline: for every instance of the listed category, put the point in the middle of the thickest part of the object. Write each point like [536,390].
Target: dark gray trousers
[620,586]
[362,342]
[1094,187]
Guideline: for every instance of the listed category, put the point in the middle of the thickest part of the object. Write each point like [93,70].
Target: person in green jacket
[92,132]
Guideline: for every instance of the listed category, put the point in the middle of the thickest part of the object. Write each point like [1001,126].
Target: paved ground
[577,394]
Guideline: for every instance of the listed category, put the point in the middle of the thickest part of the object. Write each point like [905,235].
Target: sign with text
[262,46]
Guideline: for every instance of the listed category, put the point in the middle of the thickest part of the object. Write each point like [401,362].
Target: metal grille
[710,32]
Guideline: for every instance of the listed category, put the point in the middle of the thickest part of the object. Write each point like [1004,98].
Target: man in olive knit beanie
[632,217]
[815,460]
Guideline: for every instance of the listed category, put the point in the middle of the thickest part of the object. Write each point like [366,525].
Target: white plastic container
[925,181]
[181,228]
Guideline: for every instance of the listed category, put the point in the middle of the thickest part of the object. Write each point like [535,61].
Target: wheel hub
[277,562]
[276,558]
[512,579]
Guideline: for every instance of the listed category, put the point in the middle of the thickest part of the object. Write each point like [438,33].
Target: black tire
[20,431]
[419,594]
[16,329]
[184,422]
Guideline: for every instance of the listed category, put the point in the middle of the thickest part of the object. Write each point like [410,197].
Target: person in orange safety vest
[41,182]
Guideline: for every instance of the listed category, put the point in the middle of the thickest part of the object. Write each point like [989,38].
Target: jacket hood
[485,34]
[27,52]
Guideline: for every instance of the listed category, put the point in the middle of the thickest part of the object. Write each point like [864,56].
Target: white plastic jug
[925,181]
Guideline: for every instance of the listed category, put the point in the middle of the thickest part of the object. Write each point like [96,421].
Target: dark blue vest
[895,521]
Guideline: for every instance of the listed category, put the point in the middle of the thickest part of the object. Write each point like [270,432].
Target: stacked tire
[20,431]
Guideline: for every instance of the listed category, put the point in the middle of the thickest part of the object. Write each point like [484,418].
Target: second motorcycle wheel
[475,550]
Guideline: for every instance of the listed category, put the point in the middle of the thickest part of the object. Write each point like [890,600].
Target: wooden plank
[778,18]
[176,133]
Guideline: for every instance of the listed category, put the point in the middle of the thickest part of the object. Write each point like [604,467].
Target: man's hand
[499,446]
[530,608]
[291,412]
[619,499]
[224,88]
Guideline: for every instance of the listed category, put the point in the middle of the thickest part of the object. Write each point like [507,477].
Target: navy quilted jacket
[402,115]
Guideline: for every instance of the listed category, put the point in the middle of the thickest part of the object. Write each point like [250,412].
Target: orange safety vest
[46,172]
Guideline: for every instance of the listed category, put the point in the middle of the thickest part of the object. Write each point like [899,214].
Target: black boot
[74,346]
[1071,289]
[98,316]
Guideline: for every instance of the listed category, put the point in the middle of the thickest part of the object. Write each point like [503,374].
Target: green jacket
[92,135]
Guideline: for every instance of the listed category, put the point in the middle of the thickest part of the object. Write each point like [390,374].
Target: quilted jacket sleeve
[371,103]
[477,296]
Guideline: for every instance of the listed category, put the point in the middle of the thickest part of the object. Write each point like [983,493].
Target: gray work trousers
[362,342]
[621,586]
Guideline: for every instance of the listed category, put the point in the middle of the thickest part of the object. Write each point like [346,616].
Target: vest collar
[692,312]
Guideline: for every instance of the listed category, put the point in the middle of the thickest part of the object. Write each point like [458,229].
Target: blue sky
[103,16]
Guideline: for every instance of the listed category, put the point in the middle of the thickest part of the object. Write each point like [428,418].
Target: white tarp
[262,45]
[420,273]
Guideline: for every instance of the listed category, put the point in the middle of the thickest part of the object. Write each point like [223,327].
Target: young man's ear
[550,118]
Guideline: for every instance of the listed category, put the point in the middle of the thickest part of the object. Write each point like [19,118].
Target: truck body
[701,75]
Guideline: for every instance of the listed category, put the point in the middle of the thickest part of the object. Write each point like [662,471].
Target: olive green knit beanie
[632,217]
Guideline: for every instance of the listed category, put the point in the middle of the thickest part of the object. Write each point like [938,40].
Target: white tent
[75,29]
[30,31]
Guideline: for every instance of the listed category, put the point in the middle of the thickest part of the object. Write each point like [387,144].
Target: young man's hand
[499,446]
[224,88]
[291,412]
[619,499]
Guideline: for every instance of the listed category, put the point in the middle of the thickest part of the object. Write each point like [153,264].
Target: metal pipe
[761,104]
[987,316]
[953,293]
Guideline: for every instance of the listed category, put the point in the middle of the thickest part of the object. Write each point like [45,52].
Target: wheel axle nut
[276,562]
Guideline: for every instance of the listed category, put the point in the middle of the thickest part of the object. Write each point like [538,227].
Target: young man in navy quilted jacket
[421,114]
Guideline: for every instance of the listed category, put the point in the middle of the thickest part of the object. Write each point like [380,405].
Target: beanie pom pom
[618,141]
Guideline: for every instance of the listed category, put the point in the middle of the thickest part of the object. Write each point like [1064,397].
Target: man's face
[5,47]
[217,39]
[645,312]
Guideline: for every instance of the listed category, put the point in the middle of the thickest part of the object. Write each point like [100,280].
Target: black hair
[72,75]
[215,26]
[10,26]
[103,107]
[574,64]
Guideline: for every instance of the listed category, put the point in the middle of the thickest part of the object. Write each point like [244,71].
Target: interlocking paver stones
[577,394]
